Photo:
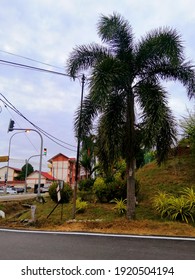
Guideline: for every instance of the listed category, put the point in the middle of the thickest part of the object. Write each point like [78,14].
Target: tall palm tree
[125,74]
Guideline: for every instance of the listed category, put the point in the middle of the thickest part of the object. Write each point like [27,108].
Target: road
[23,196]
[29,245]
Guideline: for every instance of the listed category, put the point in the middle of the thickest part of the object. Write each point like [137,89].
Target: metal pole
[41,150]
[78,152]
[9,149]
[26,171]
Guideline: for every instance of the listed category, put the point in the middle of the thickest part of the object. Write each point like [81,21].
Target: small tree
[22,174]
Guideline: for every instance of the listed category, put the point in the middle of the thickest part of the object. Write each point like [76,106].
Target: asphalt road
[21,245]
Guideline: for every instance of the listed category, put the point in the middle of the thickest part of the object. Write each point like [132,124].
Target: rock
[2,214]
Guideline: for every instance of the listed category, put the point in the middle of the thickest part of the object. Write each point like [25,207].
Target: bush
[86,184]
[120,207]
[108,191]
[81,206]
[176,208]
[113,189]
[66,193]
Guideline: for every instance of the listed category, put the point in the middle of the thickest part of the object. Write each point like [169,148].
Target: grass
[172,177]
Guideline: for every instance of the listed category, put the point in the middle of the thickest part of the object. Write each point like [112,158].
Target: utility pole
[78,152]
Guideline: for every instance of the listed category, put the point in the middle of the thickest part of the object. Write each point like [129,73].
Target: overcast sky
[47,31]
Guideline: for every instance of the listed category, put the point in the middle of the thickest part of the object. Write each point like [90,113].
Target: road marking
[100,234]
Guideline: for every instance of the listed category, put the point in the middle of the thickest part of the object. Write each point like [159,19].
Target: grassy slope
[171,177]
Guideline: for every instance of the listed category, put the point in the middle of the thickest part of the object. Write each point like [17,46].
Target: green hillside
[176,174]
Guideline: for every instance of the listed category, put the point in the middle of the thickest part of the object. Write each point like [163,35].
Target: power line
[51,137]
[31,59]
[34,68]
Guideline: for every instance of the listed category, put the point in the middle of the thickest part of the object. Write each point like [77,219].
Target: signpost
[58,192]
[4,158]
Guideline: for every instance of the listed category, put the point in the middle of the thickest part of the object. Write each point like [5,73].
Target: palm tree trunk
[130,157]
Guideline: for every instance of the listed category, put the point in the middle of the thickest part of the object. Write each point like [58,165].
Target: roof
[44,174]
[16,169]
[60,155]
[48,176]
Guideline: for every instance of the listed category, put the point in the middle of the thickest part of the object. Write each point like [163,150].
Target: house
[12,176]
[33,179]
[63,168]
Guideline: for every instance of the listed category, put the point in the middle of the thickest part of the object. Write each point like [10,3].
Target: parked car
[10,190]
[43,189]
[1,190]
[19,190]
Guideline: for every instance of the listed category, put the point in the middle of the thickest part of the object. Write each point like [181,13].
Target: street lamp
[9,149]
[26,171]
[11,128]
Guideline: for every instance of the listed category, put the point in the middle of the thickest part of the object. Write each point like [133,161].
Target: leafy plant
[86,184]
[66,193]
[176,208]
[81,206]
[189,195]
[120,207]
[160,203]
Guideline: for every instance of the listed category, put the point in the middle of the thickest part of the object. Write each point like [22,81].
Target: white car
[11,191]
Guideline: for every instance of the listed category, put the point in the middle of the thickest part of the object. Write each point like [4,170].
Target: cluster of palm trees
[127,107]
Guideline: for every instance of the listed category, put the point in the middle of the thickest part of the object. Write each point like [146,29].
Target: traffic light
[45,151]
[11,125]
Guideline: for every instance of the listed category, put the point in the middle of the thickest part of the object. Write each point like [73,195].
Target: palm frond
[157,121]
[106,77]
[84,57]
[83,121]
[117,32]
[160,44]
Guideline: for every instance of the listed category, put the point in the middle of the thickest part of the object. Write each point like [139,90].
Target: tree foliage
[23,174]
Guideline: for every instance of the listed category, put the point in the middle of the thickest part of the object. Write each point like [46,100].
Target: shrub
[161,202]
[108,191]
[81,206]
[120,207]
[86,184]
[66,193]
[112,189]
[176,208]
[189,195]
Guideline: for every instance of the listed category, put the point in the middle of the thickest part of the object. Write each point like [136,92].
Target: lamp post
[26,170]
[11,128]
[9,149]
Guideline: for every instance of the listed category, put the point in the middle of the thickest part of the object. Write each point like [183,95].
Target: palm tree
[87,155]
[124,75]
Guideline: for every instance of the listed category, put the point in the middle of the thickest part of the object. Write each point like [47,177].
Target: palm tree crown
[125,73]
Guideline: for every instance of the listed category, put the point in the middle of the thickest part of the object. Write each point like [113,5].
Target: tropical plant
[121,206]
[124,72]
[161,202]
[81,206]
[176,208]
[179,209]
[87,155]
[189,195]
